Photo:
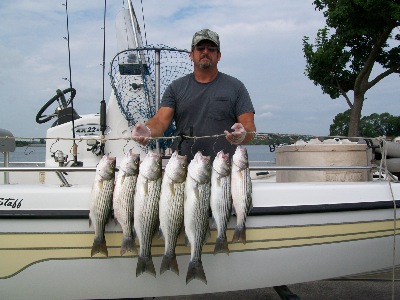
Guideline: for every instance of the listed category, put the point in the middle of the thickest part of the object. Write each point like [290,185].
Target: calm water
[26,154]
[37,154]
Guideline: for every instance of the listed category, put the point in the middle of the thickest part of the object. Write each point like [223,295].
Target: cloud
[261,45]
[265,115]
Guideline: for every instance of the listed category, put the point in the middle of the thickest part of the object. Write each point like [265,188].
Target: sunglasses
[209,48]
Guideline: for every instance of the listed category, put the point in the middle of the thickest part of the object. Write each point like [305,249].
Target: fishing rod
[76,163]
[103,117]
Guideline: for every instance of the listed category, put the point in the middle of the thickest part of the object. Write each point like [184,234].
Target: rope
[257,136]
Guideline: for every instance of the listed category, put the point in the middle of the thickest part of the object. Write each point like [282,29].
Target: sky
[261,44]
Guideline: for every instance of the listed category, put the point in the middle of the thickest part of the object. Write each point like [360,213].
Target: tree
[370,126]
[340,126]
[359,35]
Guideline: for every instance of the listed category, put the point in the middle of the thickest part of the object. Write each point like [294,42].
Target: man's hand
[237,136]
[141,134]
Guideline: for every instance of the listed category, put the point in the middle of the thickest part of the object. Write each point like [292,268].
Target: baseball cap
[205,34]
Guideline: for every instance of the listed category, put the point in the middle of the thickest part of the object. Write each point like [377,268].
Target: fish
[241,192]
[123,199]
[101,202]
[221,199]
[146,206]
[171,208]
[196,209]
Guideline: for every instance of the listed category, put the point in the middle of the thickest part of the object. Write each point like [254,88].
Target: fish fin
[207,237]
[145,264]
[110,216]
[99,246]
[160,234]
[187,243]
[239,235]
[221,246]
[169,262]
[112,213]
[196,271]
[155,231]
[196,191]
[213,224]
[233,211]
[172,188]
[251,207]
[128,244]
[146,188]
[133,229]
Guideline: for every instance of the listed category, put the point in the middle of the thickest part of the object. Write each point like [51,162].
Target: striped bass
[221,200]
[145,211]
[241,192]
[101,202]
[197,203]
[123,198]
[171,208]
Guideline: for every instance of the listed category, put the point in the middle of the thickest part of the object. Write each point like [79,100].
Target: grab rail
[47,169]
[60,171]
[252,168]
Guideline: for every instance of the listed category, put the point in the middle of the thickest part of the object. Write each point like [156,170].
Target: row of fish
[142,198]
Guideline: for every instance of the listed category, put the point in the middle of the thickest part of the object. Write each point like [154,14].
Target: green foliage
[359,34]
[371,126]
[340,126]
[22,143]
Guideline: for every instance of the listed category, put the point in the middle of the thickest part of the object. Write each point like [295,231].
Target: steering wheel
[60,96]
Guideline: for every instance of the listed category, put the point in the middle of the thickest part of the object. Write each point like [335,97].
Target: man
[203,103]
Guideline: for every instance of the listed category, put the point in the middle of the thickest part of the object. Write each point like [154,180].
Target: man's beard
[205,65]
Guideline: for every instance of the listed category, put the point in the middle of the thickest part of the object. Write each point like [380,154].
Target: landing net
[133,79]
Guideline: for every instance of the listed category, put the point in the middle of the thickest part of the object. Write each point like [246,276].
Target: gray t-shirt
[204,109]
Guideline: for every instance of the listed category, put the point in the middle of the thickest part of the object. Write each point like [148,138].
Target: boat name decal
[11,202]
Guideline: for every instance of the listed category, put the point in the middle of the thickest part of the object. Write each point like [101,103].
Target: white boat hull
[45,244]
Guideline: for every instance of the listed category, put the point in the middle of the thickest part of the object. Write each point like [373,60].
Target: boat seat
[64,116]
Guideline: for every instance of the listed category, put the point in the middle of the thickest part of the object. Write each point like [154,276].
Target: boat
[319,213]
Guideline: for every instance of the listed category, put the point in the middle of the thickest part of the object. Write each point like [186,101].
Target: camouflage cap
[205,34]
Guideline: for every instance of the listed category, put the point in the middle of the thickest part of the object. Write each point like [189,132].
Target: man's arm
[160,122]
[155,127]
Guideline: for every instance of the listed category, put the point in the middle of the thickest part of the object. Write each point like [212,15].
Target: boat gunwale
[255,211]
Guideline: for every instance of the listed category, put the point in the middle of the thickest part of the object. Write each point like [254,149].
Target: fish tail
[196,271]
[128,244]
[145,264]
[221,246]
[99,246]
[169,262]
[240,234]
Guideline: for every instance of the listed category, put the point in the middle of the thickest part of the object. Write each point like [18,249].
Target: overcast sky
[261,44]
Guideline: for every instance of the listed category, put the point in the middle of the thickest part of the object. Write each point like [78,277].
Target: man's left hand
[237,136]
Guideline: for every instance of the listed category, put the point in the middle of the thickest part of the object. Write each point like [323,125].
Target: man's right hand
[141,134]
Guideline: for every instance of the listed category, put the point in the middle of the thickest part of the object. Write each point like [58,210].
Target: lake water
[37,154]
